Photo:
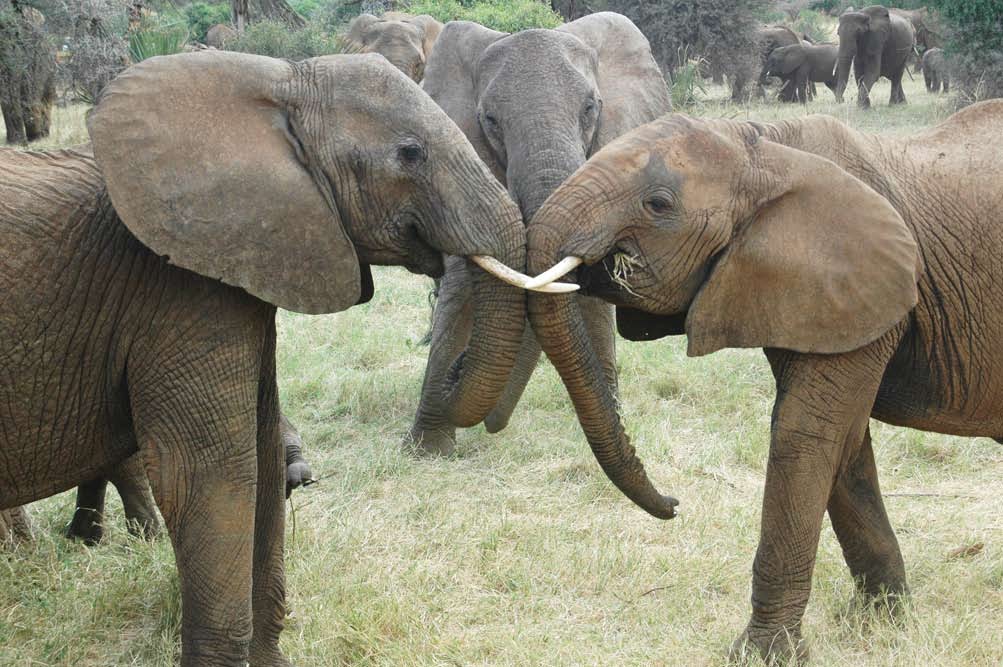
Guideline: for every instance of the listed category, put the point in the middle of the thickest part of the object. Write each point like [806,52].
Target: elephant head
[743,241]
[289,179]
[405,40]
[784,60]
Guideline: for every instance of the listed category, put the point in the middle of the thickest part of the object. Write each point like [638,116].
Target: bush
[685,81]
[814,25]
[276,39]
[974,47]
[161,36]
[502,15]
[200,16]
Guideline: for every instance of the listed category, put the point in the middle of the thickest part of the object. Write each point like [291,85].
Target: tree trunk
[279,10]
[239,14]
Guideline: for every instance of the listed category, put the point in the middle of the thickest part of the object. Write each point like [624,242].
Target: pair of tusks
[542,283]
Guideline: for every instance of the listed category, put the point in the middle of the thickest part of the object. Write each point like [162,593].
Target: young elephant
[801,65]
[403,39]
[935,73]
[863,266]
[139,299]
[129,480]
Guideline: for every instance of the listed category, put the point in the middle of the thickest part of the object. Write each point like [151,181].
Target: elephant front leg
[864,532]
[88,516]
[432,433]
[898,92]
[822,409]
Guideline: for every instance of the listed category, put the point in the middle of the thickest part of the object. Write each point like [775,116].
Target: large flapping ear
[824,264]
[630,82]
[450,80]
[202,166]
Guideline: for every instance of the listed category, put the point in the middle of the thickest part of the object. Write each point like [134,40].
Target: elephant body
[405,40]
[927,32]
[219,35]
[534,104]
[140,283]
[771,38]
[863,266]
[27,76]
[802,64]
[935,71]
[877,43]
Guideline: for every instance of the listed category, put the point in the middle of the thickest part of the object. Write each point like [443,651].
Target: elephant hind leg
[88,517]
[898,93]
[15,526]
[129,478]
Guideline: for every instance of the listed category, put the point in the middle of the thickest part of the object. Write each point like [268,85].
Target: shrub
[686,80]
[200,16]
[502,15]
[94,62]
[274,38]
[974,46]
[814,25]
[158,37]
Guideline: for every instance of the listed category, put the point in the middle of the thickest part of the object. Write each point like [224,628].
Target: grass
[517,551]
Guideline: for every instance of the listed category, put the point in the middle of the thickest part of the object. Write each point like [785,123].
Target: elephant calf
[935,73]
[405,40]
[866,269]
[801,65]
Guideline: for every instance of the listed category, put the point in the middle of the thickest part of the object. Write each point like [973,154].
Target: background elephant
[331,164]
[219,35]
[864,268]
[935,71]
[802,64]
[403,39]
[770,38]
[129,480]
[535,105]
[927,32]
[27,75]
[878,44]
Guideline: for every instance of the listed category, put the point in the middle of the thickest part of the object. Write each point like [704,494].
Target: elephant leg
[803,87]
[129,479]
[525,364]
[297,469]
[861,525]
[268,593]
[898,92]
[431,432]
[87,519]
[13,120]
[821,413]
[15,526]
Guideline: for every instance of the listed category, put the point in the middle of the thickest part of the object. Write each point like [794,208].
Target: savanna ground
[518,551]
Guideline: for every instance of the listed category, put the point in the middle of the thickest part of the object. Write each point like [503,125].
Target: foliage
[157,37]
[502,15]
[686,80]
[974,46]
[276,39]
[200,16]
[814,25]
[94,62]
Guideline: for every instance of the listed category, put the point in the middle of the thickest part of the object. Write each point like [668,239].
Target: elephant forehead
[535,53]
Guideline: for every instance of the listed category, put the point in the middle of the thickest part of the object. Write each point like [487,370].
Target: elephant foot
[886,601]
[428,442]
[268,658]
[85,526]
[775,647]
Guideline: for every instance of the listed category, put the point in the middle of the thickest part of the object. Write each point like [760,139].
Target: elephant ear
[630,82]
[430,30]
[450,80]
[635,324]
[351,40]
[824,263]
[202,166]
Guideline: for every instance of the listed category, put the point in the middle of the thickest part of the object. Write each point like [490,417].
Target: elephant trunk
[532,179]
[559,327]
[843,62]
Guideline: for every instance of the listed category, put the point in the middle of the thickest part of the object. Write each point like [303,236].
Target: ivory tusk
[553,273]
[513,277]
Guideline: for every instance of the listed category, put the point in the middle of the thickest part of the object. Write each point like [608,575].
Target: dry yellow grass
[518,551]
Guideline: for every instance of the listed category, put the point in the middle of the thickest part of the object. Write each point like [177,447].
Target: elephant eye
[491,120]
[411,154]
[658,205]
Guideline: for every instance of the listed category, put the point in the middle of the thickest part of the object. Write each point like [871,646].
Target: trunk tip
[665,508]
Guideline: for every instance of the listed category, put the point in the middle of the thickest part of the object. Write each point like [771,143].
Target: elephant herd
[875,41]
[542,176]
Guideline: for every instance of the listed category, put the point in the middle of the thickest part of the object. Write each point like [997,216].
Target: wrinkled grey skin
[129,480]
[309,173]
[803,64]
[935,71]
[877,44]
[403,39]
[535,105]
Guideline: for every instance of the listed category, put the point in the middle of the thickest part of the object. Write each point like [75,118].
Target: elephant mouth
[407,248]
[614,278]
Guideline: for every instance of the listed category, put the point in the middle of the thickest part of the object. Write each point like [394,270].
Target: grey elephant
[803,64]
[769,38]
[535,105]
[219,35]
[864,267]
[925,24]
[140,286]
[27,75]
[405,40]
[129,480]
[878,44]
[935,71]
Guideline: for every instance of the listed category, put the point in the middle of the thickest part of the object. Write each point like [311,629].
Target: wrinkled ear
[430,32]
[201,165]
[450,80]
[351,41]
[635,324]
[631,84]
[824,264]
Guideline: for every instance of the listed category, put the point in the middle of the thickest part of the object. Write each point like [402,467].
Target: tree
[974,46]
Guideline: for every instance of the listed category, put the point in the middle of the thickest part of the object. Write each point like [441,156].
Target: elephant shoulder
[46,186]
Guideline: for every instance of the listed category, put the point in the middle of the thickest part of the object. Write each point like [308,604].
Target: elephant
[862,265]
[403,39]
[129,479]
[770,38]
[534,104]
[878,44]
[803,64]
[140,280]
[927,35]
[935,71]
[219,35]
[15,526]
[27,75]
